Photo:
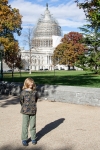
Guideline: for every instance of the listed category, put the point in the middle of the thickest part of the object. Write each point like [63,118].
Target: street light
[20,62]
[1,56]
[13,66]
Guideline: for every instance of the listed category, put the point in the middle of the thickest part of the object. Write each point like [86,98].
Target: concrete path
[60,126]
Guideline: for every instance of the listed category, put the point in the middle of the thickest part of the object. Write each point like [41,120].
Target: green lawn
[70,78]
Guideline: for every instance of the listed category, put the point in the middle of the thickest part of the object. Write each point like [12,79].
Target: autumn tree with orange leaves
[10,24]
[68,51]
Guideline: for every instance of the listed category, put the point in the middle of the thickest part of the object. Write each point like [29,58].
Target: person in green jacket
[28,100]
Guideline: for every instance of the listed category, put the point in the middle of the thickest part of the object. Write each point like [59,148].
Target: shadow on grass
[64,80]
[85,79]
[89,81]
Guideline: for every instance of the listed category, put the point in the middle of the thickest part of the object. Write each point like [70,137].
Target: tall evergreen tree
[91,31]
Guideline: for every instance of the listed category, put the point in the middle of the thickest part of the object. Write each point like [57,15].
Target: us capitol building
[46,36]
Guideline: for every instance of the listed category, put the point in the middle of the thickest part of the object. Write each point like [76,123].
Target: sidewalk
[60,126]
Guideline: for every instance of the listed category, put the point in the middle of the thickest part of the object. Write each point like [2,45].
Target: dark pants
[26,121]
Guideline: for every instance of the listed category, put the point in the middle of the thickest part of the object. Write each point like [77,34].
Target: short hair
[27,83]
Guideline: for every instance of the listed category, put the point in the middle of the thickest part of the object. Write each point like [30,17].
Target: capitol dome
[46,28]
[46,36]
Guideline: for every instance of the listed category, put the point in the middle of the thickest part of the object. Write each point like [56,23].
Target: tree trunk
[68,67]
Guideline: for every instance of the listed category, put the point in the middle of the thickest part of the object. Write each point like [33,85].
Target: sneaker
[24,142]
[34,142]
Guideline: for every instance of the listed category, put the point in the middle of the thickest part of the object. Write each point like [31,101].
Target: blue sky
[68,15]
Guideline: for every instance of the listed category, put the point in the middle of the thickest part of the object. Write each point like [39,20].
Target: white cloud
[70,23]
[29,11]
[68,11]
[67,15]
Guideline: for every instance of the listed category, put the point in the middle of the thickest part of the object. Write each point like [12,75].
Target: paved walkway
[60,126]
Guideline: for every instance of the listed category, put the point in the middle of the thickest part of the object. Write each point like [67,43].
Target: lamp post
[20,62]
[13,66]
[30,61]
[1,56]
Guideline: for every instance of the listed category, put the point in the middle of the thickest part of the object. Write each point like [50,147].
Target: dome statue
[46,27]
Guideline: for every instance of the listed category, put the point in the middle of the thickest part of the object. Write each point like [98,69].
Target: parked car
[41,69]
[27,69]
[10,70]
[46,69]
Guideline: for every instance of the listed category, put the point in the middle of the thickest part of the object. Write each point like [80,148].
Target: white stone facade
[47,35]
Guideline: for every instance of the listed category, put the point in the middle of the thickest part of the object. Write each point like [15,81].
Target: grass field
[62,77]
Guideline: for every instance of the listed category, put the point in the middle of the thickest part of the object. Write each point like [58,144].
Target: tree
[10,23]
[91,30]
[28,35]
[12,56]
[68,51]
[91,9]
